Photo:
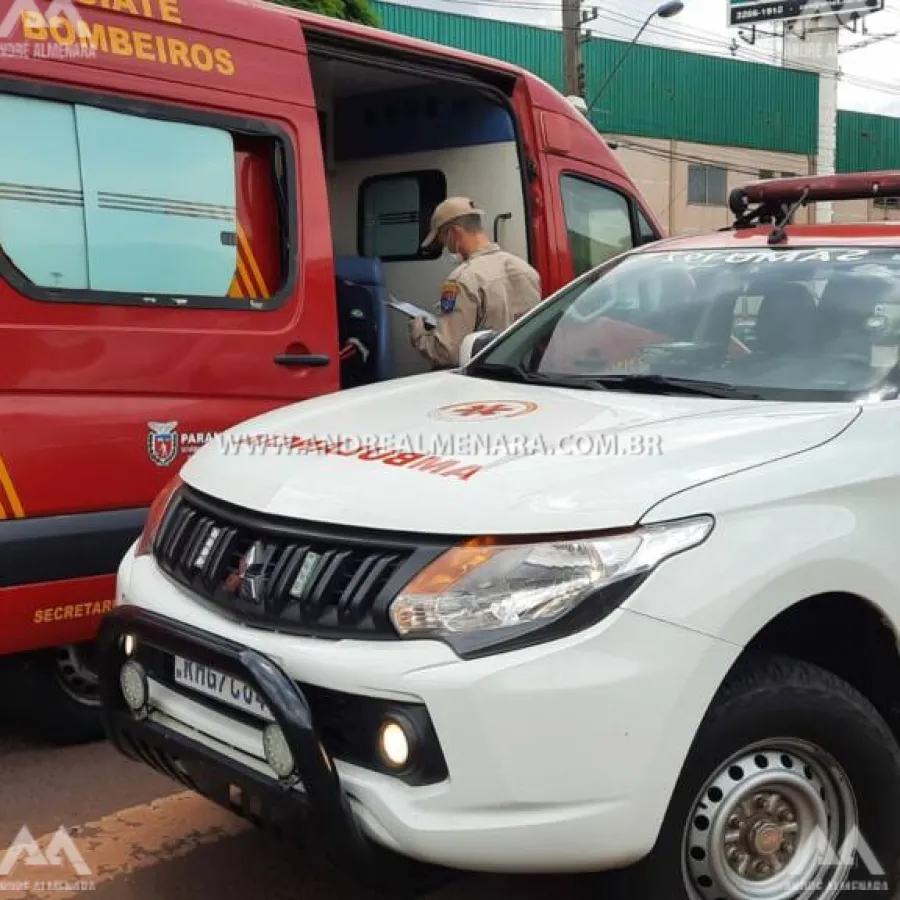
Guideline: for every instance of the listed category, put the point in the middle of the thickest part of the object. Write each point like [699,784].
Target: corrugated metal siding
[536,49]
[695,97]
[866,142]
[657,92]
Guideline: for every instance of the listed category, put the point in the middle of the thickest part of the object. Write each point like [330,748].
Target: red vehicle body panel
[80,383]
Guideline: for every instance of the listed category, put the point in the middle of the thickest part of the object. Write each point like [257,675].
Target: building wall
[662,170]
[867,142]
[671,109]
[656,92]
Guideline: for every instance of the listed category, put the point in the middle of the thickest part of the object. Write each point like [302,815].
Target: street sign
[743,13]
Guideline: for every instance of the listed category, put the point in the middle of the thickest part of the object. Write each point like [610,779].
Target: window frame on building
[706,168]
[632,209]
[432,190]
[284,187]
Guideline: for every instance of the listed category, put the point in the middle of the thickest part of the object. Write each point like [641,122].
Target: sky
[866,67]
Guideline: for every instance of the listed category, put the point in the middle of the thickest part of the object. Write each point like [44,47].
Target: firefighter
[488,290]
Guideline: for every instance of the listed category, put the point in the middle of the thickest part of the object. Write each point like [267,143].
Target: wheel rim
[76,676]
[768,825]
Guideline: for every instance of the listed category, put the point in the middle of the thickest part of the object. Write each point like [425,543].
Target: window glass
[820,324]
[597,220]
[41,202]
[395,214]
[646,233]
[707,185]
[118,204]
[716,185]
[160,205]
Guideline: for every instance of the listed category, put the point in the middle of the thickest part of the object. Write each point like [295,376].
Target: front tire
[790,772]
[58,695]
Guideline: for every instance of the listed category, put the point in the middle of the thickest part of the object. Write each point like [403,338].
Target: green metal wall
[656,93]
[866,142]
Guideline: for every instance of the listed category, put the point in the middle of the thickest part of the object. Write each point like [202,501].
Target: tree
[351,10]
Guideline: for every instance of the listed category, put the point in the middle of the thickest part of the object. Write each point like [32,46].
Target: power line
[689,158]
[700,36]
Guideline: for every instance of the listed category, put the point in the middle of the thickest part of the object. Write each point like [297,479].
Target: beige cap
[444,213]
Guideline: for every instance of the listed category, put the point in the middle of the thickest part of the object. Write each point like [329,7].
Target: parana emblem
[162,442]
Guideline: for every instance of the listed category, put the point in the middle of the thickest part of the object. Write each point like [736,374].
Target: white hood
[588,475]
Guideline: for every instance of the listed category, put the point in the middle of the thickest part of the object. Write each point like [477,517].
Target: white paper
[411,310]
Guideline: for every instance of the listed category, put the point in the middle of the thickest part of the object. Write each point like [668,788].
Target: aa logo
[854,849]
[28,12]
[25,850]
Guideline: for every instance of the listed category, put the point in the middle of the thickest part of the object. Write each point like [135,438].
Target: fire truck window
[597,220]
[395,212]
[42,231]
[160,204]
[133,208]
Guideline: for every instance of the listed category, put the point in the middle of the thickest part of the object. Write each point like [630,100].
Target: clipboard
[413,311]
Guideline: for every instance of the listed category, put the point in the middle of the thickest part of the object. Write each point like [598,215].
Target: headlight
[486,592]
[155,516]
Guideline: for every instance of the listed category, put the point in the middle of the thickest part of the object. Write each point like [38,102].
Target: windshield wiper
[510,372]
[677,385]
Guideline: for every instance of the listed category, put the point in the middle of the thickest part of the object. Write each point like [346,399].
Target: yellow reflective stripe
[10,490]
[258,282]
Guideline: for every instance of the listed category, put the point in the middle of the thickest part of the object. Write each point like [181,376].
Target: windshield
[812,324]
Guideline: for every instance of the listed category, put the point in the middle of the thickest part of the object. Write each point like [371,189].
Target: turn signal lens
[155,516]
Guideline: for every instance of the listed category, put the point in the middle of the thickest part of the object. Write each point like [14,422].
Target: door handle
[503,217]
[299,360]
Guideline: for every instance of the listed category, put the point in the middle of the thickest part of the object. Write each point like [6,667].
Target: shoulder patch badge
[449,292]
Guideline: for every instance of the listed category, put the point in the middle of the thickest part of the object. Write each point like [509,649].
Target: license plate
[220,686]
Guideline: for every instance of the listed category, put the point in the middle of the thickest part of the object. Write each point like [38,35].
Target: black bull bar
[324,803]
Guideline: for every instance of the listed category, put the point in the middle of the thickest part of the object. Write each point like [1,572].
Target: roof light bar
[761,202]
[824,188]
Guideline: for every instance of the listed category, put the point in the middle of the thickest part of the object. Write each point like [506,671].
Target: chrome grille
[289,575]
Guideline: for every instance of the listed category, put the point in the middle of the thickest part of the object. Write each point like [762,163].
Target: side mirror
[473,344]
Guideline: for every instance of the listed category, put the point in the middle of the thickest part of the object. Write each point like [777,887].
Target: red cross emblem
[484,410]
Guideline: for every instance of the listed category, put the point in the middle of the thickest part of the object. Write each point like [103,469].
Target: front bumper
[316,806]
[557,758]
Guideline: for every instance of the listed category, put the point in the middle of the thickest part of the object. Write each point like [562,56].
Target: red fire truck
[201,202]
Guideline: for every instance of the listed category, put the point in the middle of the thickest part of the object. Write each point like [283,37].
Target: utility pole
[571,23]
[573,65]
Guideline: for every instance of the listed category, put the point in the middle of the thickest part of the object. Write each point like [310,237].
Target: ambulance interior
[394,146]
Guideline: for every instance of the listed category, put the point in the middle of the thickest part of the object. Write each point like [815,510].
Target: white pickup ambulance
[620,595]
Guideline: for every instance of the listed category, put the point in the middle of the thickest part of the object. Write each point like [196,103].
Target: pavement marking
[122,843]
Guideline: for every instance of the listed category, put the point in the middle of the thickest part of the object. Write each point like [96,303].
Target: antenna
[779,232]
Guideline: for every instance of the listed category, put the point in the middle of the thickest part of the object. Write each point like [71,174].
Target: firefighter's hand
[417,329]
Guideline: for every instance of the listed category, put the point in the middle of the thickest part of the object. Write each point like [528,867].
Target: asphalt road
[144,838]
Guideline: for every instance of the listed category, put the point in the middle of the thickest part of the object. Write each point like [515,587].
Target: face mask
[451,255]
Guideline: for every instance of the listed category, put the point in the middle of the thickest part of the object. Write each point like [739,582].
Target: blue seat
[363,312]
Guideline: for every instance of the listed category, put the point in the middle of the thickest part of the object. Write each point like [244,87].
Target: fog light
[278,751]
[133,682]
[394,743]
[129,644]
